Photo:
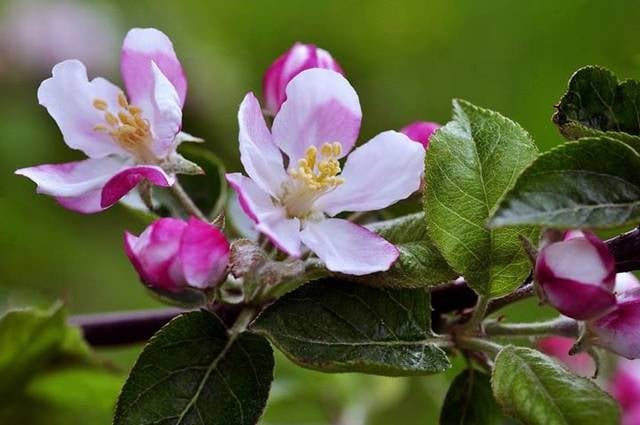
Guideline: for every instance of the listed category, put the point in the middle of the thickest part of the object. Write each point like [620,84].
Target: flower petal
[76,185]
[121,183]
[619,331]
[141,47]
[261,158]
[420,131]
[321,107]
[379,173]
[68,96]
[166,114]
[270,219]
[349,248]
[204,253]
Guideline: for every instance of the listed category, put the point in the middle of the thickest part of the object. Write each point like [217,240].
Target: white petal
[379,173]
[166,114]
[348,248]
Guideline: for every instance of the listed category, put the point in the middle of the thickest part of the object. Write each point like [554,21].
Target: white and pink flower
[577,276]
[421,131]
[294,205]
[172,254]
[619,330]
[295,60]
[127,140]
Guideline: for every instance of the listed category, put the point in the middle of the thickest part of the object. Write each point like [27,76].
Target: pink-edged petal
[75,185]
[141,47]
[348,248]
[68,96]
[260,157]
[379,173]
[619,331]
[579,300]
[204,253]
[121,183]
[270,219]
[421,131]
[321,107]
[165,116]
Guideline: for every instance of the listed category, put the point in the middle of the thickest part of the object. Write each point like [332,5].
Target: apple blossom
[172,254]
[295,60]
[619,330]
[127,140]
[317,126]
[559,346]
[577,276]
[421,131]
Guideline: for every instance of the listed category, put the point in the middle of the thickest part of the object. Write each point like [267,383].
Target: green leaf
[597,103]
[420,263]
[538,390]
[470,401]
[471,163]
[336,326]
[192,373]
[209,192]
[591,183]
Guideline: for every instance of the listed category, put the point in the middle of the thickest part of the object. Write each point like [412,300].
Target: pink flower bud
[559,346]
[577,276]
[172,254]
[619,330]
[291,63]
[421,131]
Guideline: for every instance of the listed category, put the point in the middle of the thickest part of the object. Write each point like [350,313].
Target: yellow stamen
[100,105]
[122,101]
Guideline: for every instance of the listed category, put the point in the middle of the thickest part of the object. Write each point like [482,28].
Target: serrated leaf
[190,373]
[470,401]
[598,104]
[470,164]
[591,183]
[209,191]
[336,326]
[420,263]
[539,391]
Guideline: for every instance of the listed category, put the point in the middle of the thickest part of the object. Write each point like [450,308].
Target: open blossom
[295,60]
[577,276]
[619,330]
[172,254]
[421,131]
[127,139]
[317,126]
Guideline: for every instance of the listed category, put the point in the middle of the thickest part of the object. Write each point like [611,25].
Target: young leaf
[597,104]
[471,163]
[420,263]
[335,326]
[190,372]
[539,391]
[594,182]
[470,401]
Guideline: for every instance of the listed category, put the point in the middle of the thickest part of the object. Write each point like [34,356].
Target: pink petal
[261,158]
[321,107]
[295,60]
[578,300]
[625,384]
[76,185]
[142,46]
[270,219]
[68,96]
[558,346]
[420,131]
[120,184]
[348,248]
[619,331]
[204,253]
[377,174]
[166,114]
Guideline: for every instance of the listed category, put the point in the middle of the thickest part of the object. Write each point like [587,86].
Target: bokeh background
[406,59]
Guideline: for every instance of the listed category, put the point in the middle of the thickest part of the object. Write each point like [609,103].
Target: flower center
[127,128]
[312,178]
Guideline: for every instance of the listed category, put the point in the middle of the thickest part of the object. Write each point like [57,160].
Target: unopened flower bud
[421,131]
[173,255]
[619,330]
[291,63]
[577,276]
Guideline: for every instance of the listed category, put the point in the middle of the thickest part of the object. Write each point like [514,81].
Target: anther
[122,100]
[100,104]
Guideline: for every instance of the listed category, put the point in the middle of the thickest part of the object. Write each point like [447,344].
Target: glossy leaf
[470,401]
[539,391]
[336,326]
[594,182]
[191,373]
[597,103]
[420,263]
[471,163]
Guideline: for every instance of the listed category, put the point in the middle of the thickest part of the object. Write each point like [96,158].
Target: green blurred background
[407,60]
